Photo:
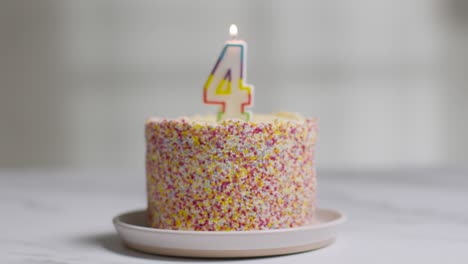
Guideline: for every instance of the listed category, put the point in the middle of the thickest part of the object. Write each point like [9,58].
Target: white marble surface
[401,216]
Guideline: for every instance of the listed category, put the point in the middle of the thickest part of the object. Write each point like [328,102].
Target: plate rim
[117,221]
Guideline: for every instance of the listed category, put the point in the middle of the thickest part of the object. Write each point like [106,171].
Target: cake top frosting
[281,117]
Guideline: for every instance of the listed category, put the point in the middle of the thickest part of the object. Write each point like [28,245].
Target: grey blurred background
[387,78]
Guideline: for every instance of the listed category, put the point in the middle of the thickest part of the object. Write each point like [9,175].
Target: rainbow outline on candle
[227,77]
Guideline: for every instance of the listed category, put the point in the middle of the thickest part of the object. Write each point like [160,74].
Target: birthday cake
[235,171]
[231,175]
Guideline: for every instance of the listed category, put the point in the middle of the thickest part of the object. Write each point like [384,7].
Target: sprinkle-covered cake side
[233,175]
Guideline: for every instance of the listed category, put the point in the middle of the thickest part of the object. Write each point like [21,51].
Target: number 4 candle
[225,85]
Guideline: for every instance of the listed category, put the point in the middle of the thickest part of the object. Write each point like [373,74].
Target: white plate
[136,234]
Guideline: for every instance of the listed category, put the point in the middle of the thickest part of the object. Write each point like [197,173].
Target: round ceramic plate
[136,234]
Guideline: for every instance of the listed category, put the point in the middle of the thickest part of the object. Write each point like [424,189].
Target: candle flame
[233,31]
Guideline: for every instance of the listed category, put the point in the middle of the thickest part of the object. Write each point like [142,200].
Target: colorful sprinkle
[233,175]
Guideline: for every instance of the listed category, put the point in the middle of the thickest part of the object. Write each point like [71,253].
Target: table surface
[394,216]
